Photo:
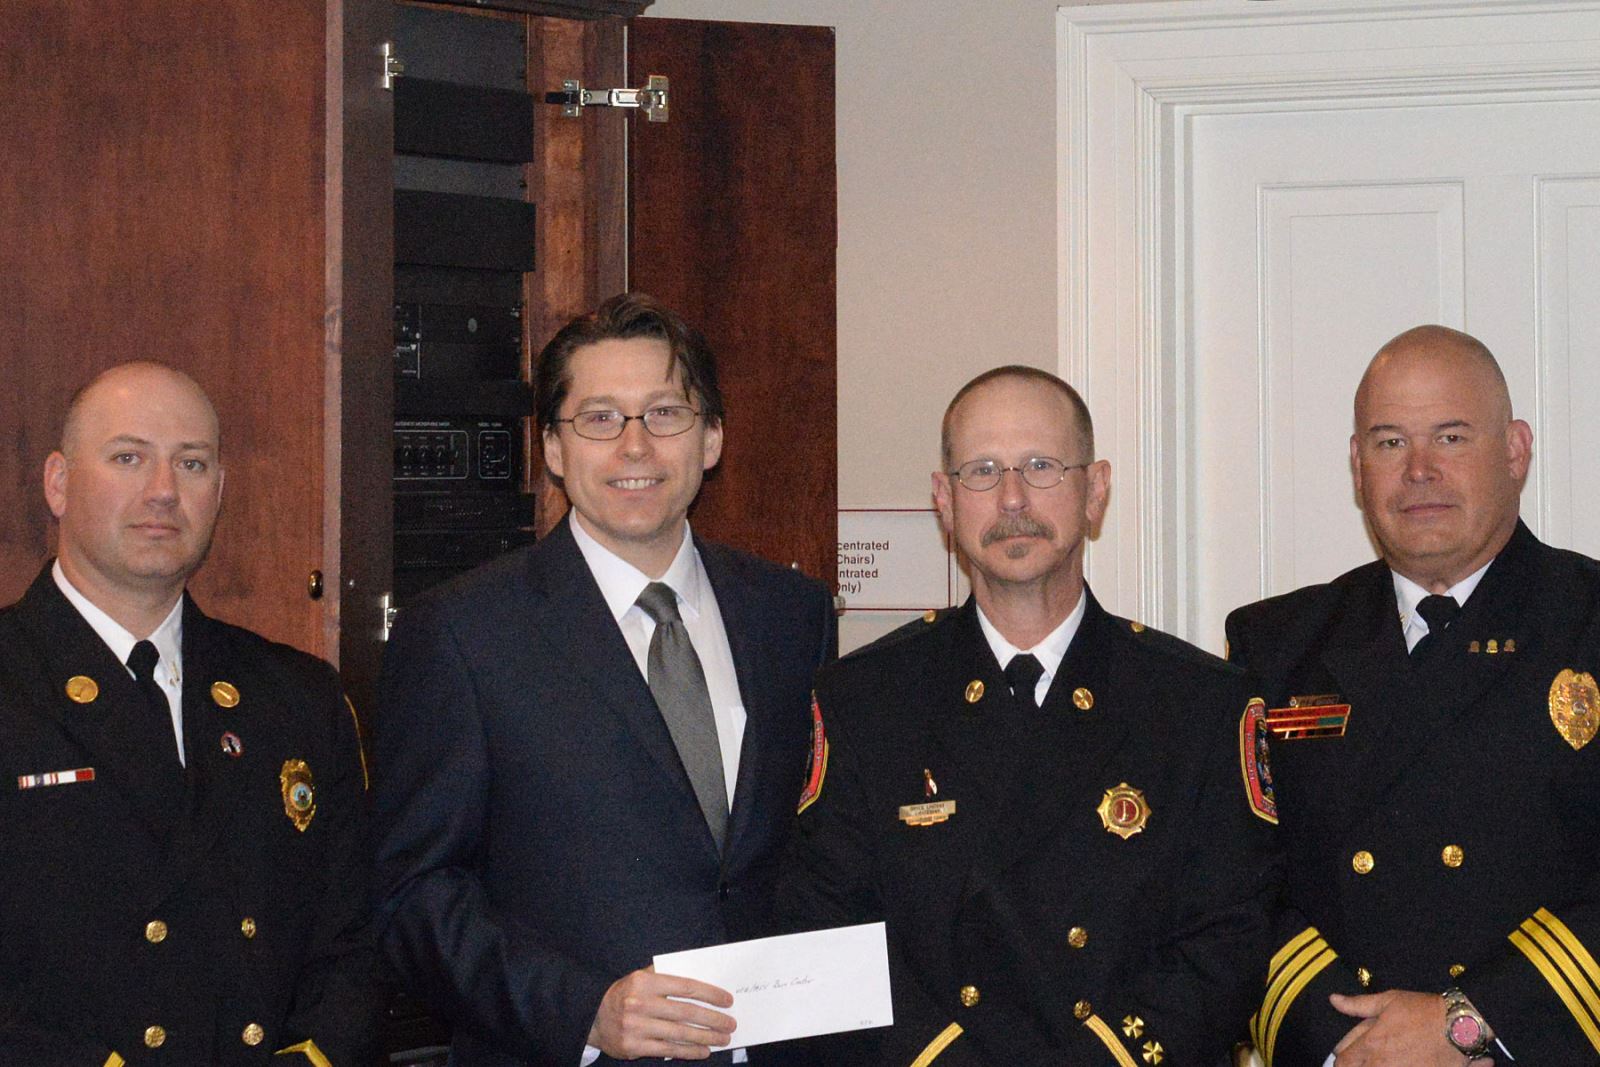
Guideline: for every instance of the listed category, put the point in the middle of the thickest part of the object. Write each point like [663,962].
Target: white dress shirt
[620,584]
[168,639]
[1049,652]
[1408,594]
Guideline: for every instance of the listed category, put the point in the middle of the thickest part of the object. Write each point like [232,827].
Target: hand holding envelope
[797,985]
[652,1014]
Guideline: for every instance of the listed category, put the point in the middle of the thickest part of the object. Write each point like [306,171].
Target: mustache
[1017,526]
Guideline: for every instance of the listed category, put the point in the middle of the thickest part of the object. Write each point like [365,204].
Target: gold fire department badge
[1575,707]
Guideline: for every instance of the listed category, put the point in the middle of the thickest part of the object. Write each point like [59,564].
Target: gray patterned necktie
[678,684]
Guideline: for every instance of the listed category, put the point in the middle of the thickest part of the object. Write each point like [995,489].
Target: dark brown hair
[626,316]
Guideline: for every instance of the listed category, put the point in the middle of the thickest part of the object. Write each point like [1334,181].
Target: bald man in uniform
[1430,717]
[184,878]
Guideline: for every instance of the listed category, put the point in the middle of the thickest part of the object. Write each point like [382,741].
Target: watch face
[1465,1032]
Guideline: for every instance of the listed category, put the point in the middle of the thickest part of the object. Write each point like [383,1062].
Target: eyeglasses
[1041,472]
[667,421]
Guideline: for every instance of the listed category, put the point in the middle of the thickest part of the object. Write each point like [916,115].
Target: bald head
[1443,351]
[119,384]
[1439,462]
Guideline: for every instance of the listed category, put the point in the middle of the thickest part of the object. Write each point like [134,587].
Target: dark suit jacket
[1021,930]
[538,837]
[87,866]
[1460,752]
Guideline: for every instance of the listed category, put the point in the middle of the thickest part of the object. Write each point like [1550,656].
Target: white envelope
[797,985]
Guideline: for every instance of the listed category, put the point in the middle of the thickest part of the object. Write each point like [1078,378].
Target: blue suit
[538,837]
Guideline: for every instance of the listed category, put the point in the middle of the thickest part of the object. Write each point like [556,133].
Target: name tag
[936,811]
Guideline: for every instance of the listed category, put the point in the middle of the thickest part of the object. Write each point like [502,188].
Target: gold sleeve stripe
[1310,962]
[115,1060]
[937,1045]
[1255,1034]
[1556,966]
[1581,985]
[311,1052]
[361,750]
[1294,945]
[1570,941]
[1099,1028]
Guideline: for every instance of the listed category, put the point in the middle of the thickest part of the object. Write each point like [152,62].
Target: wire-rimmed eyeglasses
[1041,472]
[667,420]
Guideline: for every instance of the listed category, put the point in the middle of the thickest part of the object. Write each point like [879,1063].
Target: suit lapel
[571,619]
[103,727]
[749,638]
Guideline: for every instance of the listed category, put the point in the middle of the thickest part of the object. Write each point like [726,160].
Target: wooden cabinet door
[207,185]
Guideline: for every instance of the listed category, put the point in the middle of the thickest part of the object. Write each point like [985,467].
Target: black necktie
[1022,675]
[155,725]
[1438,612]
[678,683]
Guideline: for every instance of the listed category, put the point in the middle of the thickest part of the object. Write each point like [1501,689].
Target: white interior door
[1255,197]
[1316,237]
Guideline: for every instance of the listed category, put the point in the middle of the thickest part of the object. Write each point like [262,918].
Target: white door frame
[1130,79]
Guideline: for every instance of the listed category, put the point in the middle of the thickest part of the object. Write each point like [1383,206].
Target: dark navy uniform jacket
[195,926]
[1451,836]
[1021,929]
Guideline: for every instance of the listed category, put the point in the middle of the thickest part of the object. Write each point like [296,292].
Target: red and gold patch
[816,760]
[1253,753]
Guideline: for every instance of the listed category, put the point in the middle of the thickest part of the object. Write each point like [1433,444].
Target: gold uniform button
[1364,976]
[1082,699]
[247,927]
[1362,862]
[970,996]
[1077,937]
[253,1035]
[81,689]
[930,615]
[155,931]
[974,691]
[154,1037]
[1453,856]
[1082,1010]
[1457,970]
[1136,627]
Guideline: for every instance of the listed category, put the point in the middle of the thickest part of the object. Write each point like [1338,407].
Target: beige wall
[947,218]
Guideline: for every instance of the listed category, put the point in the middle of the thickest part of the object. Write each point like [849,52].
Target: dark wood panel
[358,515]
[579,182]
[163,196]
[733,223]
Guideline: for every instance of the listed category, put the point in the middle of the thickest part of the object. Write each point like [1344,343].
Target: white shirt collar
[168,637]
[1049,652]
[1408,594]
[621,582]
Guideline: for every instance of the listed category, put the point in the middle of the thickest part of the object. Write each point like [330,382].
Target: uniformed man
[1430,718]
[183,879]
[1045,803]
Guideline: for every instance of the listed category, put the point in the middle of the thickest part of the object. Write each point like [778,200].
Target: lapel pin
[231,745]
[930,788]
[1123,811]
[81,689]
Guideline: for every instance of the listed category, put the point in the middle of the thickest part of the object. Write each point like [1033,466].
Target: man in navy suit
[590,749]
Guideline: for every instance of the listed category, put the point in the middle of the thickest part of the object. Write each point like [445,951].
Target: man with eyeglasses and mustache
[1045,803]
[589,749]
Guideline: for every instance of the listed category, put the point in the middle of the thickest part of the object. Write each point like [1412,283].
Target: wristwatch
[1463,1026]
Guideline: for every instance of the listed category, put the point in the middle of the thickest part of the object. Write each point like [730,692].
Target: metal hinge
[393,65]
[573,98]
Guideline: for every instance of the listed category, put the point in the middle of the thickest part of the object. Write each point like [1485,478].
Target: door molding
[1130,80]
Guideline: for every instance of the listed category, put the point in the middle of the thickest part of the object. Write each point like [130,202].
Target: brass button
[1364,976]
[1452,856]
[1082,1010]
[974,691]
[1457,970]
[253,1035]
[155,931]
[1362,862]
[1136,627]
[247,927]
[81,689]
[154,1037]
[930,615]
[1077,937]
[1082,699]
[225,695]
[970,996]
